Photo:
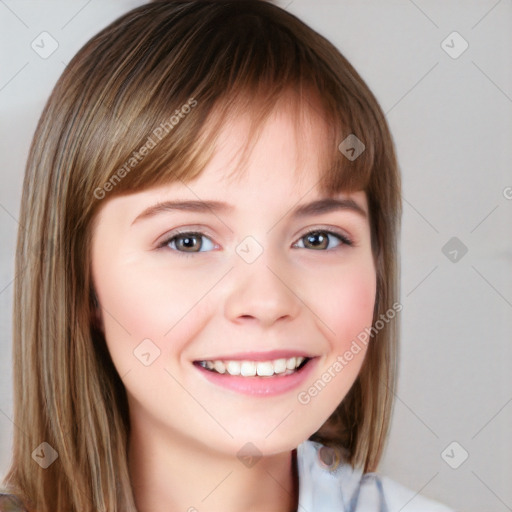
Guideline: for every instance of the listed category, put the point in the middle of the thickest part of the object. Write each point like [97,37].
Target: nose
[261,292]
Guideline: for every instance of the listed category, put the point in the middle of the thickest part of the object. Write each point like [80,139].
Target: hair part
[233,58]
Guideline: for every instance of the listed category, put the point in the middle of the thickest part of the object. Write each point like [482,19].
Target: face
[233,322]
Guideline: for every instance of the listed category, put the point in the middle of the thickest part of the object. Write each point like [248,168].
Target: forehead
[289,151]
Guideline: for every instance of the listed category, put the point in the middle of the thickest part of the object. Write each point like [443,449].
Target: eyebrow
[317,207]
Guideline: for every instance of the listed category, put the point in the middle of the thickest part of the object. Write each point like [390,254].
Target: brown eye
[188,242]
[316,240]
[321,239]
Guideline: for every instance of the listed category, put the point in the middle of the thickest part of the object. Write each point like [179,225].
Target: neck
[170,473]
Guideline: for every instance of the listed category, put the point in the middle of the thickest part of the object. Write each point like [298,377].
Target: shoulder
[326,483]
[10,503]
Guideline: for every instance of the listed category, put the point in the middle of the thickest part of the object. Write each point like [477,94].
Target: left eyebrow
[326,206]
[318,207]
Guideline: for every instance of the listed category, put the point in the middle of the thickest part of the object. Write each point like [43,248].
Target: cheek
[346,304]
[357,303]
[345,309]
[142,303]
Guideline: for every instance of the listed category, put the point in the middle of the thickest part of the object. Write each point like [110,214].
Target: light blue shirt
[326,488]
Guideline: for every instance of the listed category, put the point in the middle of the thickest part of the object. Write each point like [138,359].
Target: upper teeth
[253,368]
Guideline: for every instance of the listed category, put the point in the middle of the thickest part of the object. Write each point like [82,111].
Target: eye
[189,242]
[194,242]
[321,238]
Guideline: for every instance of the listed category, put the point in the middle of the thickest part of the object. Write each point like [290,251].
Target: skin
[186,431]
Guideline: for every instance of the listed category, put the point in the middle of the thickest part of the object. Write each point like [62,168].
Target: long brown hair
[190,60]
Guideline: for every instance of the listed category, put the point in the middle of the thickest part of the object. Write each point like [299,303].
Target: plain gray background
[451,117]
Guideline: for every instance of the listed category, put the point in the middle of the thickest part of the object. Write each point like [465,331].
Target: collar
[329,484]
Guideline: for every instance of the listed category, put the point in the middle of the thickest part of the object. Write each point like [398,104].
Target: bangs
[157,118]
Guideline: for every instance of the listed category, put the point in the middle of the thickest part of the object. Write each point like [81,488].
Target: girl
[206,302]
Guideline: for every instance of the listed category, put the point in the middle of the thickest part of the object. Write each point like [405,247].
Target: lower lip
[262,386]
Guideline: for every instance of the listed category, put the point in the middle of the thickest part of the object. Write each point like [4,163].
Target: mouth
[251,368]
[263,374]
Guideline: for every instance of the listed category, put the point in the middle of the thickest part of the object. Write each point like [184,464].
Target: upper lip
[259,356]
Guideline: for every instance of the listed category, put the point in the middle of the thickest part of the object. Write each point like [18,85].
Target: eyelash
[344,239]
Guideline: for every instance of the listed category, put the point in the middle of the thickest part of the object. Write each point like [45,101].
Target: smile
[248,368]
[259,374]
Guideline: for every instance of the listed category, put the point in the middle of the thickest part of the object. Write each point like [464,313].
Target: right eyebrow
[189,206]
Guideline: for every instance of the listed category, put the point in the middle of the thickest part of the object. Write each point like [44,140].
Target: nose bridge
[260,289]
